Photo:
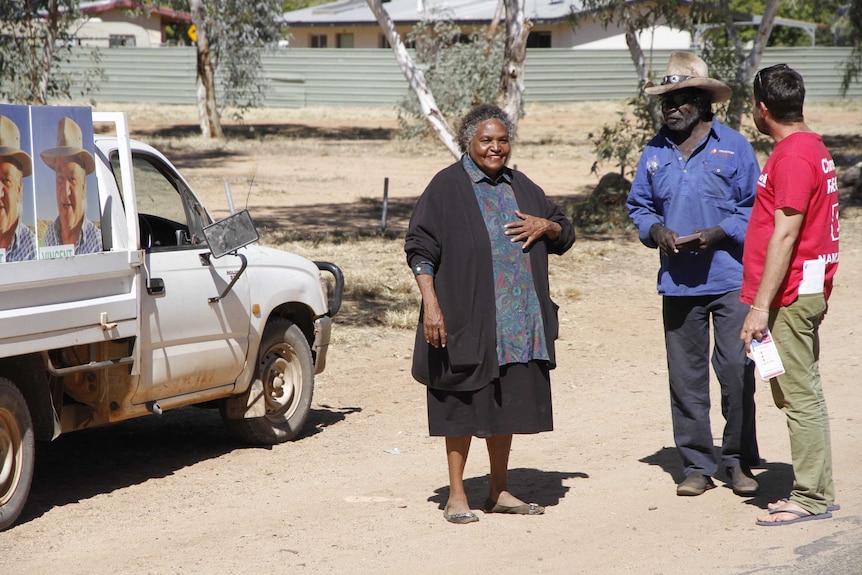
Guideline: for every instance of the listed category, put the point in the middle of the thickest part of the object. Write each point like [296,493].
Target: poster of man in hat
[17,206]
[69,212]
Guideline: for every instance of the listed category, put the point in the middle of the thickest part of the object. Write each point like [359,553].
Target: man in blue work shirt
[691,198]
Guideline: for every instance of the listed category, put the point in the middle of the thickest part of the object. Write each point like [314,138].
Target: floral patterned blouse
[520,333]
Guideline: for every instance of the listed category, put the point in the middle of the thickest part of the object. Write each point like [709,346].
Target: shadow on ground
[776,479]
[261,131]
[531,485]
[355,220]
[81,465]
[335,221]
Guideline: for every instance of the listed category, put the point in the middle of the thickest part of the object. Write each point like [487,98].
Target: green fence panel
[299,77]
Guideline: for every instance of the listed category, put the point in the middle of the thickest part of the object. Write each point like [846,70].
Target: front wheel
[285,371]
[17,453]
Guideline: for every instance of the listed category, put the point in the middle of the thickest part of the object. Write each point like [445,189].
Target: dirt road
[362,490]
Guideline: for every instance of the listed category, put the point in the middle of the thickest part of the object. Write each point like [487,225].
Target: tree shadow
[532,485]
[345,221]
[846,149]
[244,131]
[776,479]
[80,465]
[335,222]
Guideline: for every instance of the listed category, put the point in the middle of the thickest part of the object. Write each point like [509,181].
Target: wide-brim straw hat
[10,146]
[686,70]
[70,142]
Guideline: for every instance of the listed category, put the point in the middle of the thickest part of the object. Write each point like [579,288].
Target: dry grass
[379,287]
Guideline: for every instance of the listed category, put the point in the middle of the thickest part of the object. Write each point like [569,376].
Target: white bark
[208,113]
[514,59]
[767,21]
[416,79]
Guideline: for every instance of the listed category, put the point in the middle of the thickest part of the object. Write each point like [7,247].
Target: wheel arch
[300,314]
[27,373]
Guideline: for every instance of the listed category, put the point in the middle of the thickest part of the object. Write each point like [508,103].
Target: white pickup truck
[175,310]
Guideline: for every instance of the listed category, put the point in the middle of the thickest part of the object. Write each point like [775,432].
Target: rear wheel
[286,372]
[17,453]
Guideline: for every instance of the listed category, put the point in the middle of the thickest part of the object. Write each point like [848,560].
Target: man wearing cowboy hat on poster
[691,198]
[71,164]
[16,239]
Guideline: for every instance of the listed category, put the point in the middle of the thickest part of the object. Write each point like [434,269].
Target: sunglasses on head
[758,78]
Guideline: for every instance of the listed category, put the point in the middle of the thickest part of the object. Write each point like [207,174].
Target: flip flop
[460,518]
[525,509]
[833,507]
[801,516]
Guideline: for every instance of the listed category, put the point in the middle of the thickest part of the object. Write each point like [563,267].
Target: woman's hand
[530,229]
[432,316]
[435,327]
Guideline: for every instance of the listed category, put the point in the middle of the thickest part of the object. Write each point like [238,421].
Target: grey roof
[412,11]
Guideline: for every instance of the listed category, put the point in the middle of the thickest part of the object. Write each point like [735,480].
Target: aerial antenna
[250,184]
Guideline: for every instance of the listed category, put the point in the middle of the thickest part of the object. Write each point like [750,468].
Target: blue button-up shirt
[715,186]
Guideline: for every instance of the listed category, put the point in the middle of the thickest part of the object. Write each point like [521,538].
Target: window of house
[383,43]
[115,40]
[344,40]
[318,41]
[539,40]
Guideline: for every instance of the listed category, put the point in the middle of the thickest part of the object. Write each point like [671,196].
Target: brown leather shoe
[741,481]
[694,483]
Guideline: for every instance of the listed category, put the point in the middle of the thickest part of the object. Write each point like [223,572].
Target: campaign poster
[64,179]
[18,241]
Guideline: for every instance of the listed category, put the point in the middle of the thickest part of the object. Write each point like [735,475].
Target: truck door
[187,343]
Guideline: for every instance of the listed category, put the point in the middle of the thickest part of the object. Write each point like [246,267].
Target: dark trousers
[686,326]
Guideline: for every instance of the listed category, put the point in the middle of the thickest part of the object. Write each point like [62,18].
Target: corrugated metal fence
[353,77]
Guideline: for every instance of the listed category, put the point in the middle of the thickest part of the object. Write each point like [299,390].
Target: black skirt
[518,402]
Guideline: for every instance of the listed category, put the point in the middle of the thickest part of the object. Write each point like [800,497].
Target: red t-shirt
[800,174]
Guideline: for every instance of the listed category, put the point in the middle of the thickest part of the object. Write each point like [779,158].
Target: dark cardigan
[448,230]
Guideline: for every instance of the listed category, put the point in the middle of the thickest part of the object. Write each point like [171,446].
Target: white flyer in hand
[765,356]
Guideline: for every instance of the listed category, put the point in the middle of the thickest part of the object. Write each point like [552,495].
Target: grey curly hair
[476,117]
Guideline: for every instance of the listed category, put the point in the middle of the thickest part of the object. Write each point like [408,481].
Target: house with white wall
[112,23]
[351,24]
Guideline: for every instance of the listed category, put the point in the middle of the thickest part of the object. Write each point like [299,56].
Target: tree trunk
[747,65]
[416,79]
[639,60]
[514,58]
[208,113]
[42,64]
[499,14]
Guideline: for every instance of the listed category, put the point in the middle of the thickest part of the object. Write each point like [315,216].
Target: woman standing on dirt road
[478,244]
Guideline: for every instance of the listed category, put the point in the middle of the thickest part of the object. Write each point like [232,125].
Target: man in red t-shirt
[790,258]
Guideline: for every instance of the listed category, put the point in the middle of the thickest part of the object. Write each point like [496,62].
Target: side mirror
[230,234]
[227,236]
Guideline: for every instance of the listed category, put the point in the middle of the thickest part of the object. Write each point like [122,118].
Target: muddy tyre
[17,453]
[286,372]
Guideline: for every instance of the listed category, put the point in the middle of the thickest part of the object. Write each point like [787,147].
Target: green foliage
[461,70]
[290,5]
[604,210]
[621,143]
[237,31]
[824,13]
[35,46]
[853,25]
[632,15]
